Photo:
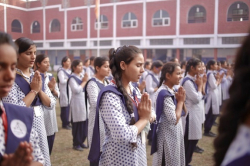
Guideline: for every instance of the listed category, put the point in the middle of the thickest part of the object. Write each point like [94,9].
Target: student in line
[27,91]
[14,147]
[63,74]
[168,143]
[42,64]
[232,143]
[152,83]
[212,100]
[85,65]
[90,69]
[78,113]
[123,115]
[92,90]
[193,85]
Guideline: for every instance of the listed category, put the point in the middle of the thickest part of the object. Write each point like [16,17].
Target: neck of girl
[191,74]
[65,68]
[43,72]
[125,84]
[26,71]
[171,86]
[99,77]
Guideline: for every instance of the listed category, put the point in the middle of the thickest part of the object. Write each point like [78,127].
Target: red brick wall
[196,28]
[137,9]
[35,16]
[170,7]
[231,27]
[2,18]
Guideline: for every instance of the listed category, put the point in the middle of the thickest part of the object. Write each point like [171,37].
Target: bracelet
[34,92]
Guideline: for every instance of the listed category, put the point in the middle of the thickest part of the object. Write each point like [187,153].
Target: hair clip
[132,115]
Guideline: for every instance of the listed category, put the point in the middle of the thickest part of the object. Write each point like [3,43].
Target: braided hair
[125,54]
[210,63]
[192,62]
[236,110]
[167,68]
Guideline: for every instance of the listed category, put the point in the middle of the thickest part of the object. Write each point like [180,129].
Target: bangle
[34,91]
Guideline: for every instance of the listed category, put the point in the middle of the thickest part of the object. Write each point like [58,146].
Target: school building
[207,29]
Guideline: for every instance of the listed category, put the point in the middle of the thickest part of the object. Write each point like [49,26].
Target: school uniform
[168,143]
[119,135]
[225,84]
[152,82]
[238,152]
[78,113]
[93,88]
[18,129]
[19,90]
[212,101]
[90,71]
[63,76]
[50,120]
[194,118]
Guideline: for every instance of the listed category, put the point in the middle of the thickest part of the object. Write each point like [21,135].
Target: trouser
[51,140]
[65,116]
[150,133]
[189,144]
[210,119]
[94,163]
[79,132]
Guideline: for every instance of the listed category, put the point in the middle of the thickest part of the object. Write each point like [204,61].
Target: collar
[80,77]
[170,90]
[100,81]
[21,73]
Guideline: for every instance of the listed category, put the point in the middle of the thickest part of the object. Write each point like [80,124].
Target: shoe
[67,128]
[198,149]
[210,134]
[84,146]
[79,148]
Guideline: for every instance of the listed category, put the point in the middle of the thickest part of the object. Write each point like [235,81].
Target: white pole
[98,32]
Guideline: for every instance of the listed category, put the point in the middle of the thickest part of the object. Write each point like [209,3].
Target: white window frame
[131,22]
[102,22]
[77,24]
[163,21]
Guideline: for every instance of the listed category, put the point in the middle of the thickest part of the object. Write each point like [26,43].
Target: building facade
[161,28]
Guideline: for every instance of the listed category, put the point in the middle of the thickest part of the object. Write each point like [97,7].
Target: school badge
[18,128]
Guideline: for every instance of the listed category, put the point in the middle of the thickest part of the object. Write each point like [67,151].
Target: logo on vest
[18,128]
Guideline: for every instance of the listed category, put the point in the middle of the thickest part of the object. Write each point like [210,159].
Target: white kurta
[169,135]
[195,108]
[151,85]
[16,96]
[63,78]
[50,120]
[225,84]
[93,92]
[90,71]
[212,96]
[117,149]
[77,102]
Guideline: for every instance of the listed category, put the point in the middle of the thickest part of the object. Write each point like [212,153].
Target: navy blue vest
[206,87]
[187,78]
[62,69]
[79,81]
[94,153]
[23,114]
[159,108]
[25,87]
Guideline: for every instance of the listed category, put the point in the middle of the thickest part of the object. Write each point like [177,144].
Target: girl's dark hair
[92,58]
[99,61]
[64,59]
[5,38]
[236,109]
[210,63]
[167,68]
[223,62]
[86,60]
[23,44]
[126,54]
[183,63]
[74,64]
[192,62]
[146,64]
[39,59]
[218,63]
[156,64]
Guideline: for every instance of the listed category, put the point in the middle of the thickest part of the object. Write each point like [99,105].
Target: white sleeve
[62,78]
[74,86]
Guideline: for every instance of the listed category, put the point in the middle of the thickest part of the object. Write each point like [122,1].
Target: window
[77,24]
[55,26]
[238,11]
[129,20]
[190,41]
[197,14]
[232,40]
[161,18]
[103,20]
[35,27]
[16,26]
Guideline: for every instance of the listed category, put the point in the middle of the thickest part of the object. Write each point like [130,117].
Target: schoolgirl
[212,100]
[42,64]
[168,139]
[91,70]
[92,90]
[123,116]
[30,91]
[85,66]
[219,86]
[63,74]
[232,142]
[14,146]
[193,84]
[78,113]
[152,83]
